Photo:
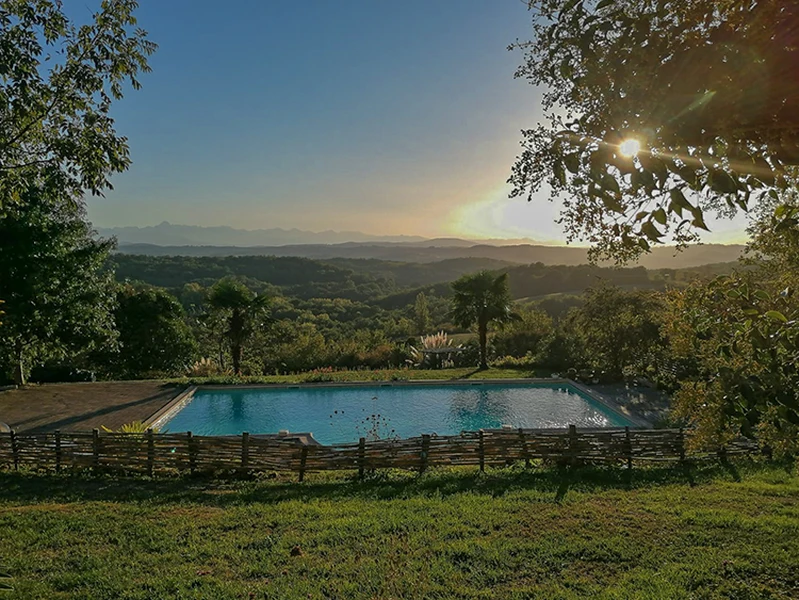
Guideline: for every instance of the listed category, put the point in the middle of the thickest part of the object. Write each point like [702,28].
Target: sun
[630,147]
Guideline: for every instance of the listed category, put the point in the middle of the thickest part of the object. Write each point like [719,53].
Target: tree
[618,329]
[57,83]
[153,334]
[421,314]
[658,112]
[741,336]
[525,335]
[58,297]
[482,298]
[244,312]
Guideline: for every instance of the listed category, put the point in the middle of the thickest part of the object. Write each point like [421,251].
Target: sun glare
[630,147]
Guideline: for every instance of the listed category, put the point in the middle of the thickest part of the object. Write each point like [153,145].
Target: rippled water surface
[343,414]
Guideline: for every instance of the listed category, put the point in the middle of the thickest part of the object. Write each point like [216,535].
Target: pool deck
[84,406]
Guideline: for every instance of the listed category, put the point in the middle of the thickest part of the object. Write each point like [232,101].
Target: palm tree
[481,298]
[242,309]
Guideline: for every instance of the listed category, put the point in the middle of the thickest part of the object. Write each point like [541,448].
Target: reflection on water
[478,409]
[336,415]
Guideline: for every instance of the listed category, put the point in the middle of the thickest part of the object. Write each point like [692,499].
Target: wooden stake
[681,443]
[96,449]
[361,457]
[58,450]
[573,444]
[523,442]
[303,460]
[482,452]
[15,449]
[628,447]
[425,452]
[192,454]
[150,452]
[245,451]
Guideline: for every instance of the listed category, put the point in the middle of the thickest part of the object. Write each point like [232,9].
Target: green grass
[377,375]
[514,533]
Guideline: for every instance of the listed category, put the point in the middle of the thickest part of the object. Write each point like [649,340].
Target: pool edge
[605,402]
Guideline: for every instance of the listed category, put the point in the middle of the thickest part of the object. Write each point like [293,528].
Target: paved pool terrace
[85,406]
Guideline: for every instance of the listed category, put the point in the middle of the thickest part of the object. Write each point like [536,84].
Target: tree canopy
[57,84]
[481,299]
[243,311]
[658,112]
[57,295]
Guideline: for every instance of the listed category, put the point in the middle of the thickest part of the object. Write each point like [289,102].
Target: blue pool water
[343,414]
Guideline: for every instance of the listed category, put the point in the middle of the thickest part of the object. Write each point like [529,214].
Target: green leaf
[650,231]
[569,6]
[604,4]
[572,162]
[679,202]
[776,315]
[660,216]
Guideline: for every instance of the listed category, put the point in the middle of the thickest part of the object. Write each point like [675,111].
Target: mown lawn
[715,532]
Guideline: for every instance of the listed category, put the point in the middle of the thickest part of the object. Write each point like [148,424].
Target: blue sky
[384,117]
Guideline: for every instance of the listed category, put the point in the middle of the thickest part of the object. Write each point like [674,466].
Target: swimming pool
[336,414]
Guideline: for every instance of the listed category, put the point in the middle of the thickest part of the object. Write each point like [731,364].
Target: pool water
[344,414]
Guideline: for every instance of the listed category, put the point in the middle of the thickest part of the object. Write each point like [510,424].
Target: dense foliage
[58,81]
[57,297]
[702,92]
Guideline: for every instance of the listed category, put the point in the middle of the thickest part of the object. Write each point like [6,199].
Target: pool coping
[163,416]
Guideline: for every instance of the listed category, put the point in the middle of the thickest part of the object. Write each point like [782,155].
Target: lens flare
[630,148]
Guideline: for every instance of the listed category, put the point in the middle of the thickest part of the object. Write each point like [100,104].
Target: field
[712,532]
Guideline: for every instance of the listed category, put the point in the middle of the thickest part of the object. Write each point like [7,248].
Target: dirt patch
[83,406]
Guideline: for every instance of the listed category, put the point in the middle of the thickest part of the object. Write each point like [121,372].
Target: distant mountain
[167,234]
[660,258]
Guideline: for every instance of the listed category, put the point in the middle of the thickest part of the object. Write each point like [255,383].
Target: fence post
[57,450]
[425,452]
[95,449]
[192,455]
[482,452]
[150,451]
[523,441]
[628,448]
[572,445]
[245,451]
[681,442]
[15,449]
[303,460]
[361,456]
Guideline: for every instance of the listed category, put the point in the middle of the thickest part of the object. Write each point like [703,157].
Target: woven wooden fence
[152,452]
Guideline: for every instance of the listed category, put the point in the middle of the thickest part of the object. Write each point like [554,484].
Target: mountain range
[666,257]
[168,234]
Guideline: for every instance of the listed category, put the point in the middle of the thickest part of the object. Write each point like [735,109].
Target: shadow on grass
[25,487]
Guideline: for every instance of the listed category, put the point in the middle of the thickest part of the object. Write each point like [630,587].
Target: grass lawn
[513,533]
[377,375]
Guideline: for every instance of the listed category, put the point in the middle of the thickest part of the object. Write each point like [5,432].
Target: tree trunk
[235,351]
[236,335]
[19,367]
[482,328]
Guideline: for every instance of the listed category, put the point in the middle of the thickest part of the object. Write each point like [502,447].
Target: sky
[359,115]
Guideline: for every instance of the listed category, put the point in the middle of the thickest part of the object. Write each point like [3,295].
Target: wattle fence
[160,452]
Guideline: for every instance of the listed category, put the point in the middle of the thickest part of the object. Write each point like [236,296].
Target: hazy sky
[383,117]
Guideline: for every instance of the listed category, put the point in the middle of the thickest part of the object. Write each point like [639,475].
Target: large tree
[243,311]
[482,298]
[658,112]
[153,334]
[618,329]
[57,296]
[57,84]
